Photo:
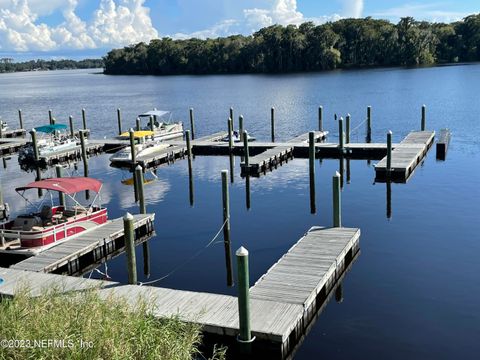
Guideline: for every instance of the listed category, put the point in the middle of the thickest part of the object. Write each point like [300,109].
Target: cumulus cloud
[112,25]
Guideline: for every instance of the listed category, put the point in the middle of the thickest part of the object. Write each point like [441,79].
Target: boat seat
[46,213]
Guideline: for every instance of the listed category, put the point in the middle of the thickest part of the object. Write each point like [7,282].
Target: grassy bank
[84,326]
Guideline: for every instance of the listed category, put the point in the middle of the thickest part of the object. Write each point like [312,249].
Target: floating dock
[442,144]
[283,302]
[84,251]
[405,157]
[70,154]
[267,160]
[13,133]
[9,148]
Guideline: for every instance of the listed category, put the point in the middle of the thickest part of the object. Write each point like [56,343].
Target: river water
[414,290]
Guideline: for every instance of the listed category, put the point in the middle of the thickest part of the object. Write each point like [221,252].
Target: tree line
[7,65]
[344,43]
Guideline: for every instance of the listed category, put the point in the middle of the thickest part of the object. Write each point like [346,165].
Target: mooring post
[140,190]
[72,130]
[337,201]
[119,120]
[20,118]
[226,226]
[59,173]
[54,121]
[132,146]
[151,123]
[36,154]
[320,118]
[424,117]
[84,119]
[245,335]
[50,116]
[369,124]
[231,116]
[137,124]
[272,121]
[240,127]
[230,135]
[341,138]
[192,123]
[389,152]
[84,152]
[190,170]
[311,147]
[1,126]
[347,129]
[129,234]
[245,148]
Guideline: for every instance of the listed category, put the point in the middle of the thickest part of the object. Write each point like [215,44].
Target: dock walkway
[405,156]
[67,257]
[282,302]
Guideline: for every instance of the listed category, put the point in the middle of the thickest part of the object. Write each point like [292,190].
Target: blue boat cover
[49,129]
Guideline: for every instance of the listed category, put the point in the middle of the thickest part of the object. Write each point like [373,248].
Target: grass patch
[107,328]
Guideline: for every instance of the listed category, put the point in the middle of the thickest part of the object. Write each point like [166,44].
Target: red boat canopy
[69,185]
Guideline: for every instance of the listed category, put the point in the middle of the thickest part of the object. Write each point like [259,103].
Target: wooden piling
[272,123]
[226,226]
[132,146]
[320,118]
[341,138]
[50,116]
[1,126]
[389,153]
[192,123]
[20,118]
[72,130]
[84,119]
[119,120]
[190,168]
[231,116]
[337,201]
[245,148]
[424,117]
[152,127]
[54,121]
[137,124]
[240,127]
[140,190]
[36,154]
[84,152]
[369,124]
[59,174]
[230,135]
[347,129]
[130,248]
[245,336]
[311,147]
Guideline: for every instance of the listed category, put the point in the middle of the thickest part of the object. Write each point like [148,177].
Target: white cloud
[112,25]
[222,28]
[428,12]
[352,8]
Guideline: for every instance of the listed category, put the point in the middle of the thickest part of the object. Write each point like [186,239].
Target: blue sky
[89,28]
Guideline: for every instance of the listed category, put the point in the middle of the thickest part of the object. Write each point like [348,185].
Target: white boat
[162,125]
[236,137]
[147,145]
[58,141]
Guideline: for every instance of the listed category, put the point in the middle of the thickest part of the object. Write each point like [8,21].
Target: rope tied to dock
[175,269]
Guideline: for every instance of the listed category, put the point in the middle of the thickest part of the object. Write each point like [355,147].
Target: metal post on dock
[347,129]
[72,131]
[341,138]
[231,116]
[119,120]
[33,133]
[369,124]
[59,174]
[245,335]
[226,226]
[424,117]
[50,116]
[192,123]
[240,127]
[137,124]
[152,127]
[20,118]
[389,152]
[311,147]
[337,201]
[190,170]
[245,148]
[140,190]
[272,121]
[129,234]
[320,118]
[84,119]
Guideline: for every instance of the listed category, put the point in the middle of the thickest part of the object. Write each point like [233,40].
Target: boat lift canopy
[70,185]
[154,113]
[51,128]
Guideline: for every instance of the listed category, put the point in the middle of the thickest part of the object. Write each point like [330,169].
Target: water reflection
[389,199]
[146,259]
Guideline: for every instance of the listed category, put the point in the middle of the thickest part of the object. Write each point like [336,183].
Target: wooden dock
[318,136]
[283,302]
[405,157]
[78,254]
[9,148]
[442,144]
[70,154]
[267,160]
[13,133]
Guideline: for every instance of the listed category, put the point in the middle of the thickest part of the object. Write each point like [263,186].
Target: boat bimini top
[158,113]
[51,128]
